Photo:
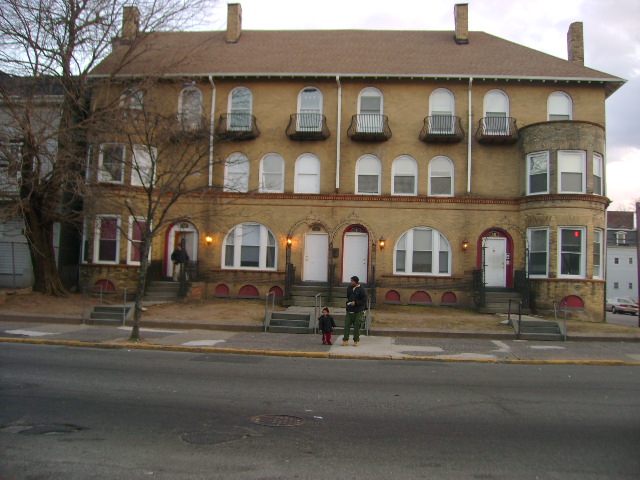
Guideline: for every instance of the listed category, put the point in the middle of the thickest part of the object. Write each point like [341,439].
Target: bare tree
[166,159]
[55,44]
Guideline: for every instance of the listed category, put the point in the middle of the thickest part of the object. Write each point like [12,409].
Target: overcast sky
[611,37]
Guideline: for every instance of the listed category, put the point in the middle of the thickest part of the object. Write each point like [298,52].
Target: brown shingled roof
[344,52]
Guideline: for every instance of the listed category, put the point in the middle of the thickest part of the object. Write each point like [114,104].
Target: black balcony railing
[442,129]
[308,126]
[369,128]
[497,130]
[189,128]
[237,126]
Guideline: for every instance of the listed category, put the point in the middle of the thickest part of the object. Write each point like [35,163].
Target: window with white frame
[86,235]
[190,108]
[272,173]
[240,109]
[370,111]
[559,106]
[597,253]
[538,251]
[571,252]
[405,176]
[422,251]
[537,173]
[307,174]
[442,107]
[143,165]
[598,169]
[496,113]
[10,161]
[572,171]
[106,243]
[132,98]
[441,177]
[309,110]
[137,227]
[111,162]
[368,175]
[91,163]
[621,238]
[250,246]
[236,173]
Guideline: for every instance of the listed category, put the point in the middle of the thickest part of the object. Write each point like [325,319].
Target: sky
[611,38]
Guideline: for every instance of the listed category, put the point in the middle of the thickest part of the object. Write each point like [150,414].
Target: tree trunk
[140,286]
[45,270]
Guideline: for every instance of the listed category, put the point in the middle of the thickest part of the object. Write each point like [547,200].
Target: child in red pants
[326,325]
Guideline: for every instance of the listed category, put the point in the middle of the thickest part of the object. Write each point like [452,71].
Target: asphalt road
[623,319]
[78,413]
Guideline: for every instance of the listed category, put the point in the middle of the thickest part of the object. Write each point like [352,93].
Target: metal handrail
[317,310]
[124,307]
[267,317]
[519,303]
[367,318]
[84,299]
[562,304]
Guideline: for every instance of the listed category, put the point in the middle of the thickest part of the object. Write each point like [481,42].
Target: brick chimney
[575,43]
[234,22]
[130,23]
[461,14]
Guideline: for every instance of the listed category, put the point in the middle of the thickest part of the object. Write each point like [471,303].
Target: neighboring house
[622,255]
[419,161]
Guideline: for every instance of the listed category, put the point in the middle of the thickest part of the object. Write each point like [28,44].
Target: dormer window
[621,238]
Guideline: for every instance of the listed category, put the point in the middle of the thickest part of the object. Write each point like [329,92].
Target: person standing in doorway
[356,304]
[178,257]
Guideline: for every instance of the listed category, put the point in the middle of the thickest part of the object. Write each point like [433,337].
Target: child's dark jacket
[326,324]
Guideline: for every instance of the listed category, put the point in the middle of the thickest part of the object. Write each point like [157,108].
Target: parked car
[622,305]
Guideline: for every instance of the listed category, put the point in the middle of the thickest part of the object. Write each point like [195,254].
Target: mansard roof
[348,53]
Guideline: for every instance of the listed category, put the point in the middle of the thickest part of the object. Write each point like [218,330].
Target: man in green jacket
[356,304]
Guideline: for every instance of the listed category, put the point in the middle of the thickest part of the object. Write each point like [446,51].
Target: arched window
[307,174]
[132,98]
[190,108]
[368,175]
[309,110]
[370,111]
[240,109]
[236,173]
[496,113]
[272,173]
[405,176]
[422,251]
[559,106]
[441,177]
[250,246]
[442,108]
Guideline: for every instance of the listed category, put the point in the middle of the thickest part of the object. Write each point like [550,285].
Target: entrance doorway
[176,234]
[316,257]
[495,261]
[355,256]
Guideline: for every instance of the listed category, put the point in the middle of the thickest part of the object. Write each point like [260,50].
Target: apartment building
[622,255]
[434,165]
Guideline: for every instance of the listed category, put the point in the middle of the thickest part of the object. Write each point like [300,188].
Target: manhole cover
[278,420]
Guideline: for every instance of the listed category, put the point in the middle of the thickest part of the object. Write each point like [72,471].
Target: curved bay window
[249,246]
[422,251]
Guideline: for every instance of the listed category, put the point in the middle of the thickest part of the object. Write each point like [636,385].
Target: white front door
[495,261]
[316,248]
[355,256]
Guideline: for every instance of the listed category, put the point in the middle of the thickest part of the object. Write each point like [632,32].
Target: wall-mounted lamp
[465,245]
[289,241]
[381,243]
[208,240]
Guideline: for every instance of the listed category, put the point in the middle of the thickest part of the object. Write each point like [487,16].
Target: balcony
[497,130]
[189,128]
[442,129]
[369,128]
[237,127]
[308,126]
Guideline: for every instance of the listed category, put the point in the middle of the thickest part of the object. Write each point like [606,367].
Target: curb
[289,353]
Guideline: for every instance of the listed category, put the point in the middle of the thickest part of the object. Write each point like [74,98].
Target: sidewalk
[215,338]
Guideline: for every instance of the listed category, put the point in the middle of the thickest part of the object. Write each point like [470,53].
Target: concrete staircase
[303,294]
[108,314]
[536,329]
[497,301]
[299,320]
[162,291]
